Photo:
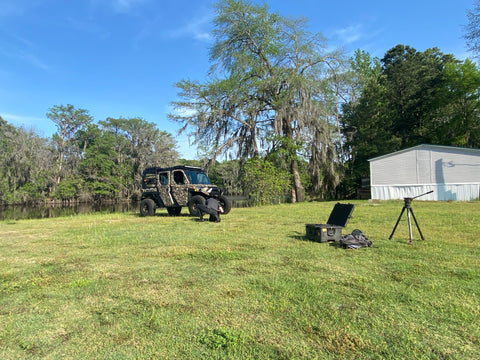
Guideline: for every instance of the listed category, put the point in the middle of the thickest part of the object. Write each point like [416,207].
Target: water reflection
[51,211]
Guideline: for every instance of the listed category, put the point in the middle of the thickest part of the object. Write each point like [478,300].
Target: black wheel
[174,210]
[226,204]
[147,207]
[194,202]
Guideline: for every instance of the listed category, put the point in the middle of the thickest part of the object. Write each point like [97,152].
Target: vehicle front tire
[147,207]
[193,204]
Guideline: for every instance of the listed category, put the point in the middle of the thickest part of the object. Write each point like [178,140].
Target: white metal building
[452,173]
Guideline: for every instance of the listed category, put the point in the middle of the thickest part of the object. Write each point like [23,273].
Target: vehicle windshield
[197,177]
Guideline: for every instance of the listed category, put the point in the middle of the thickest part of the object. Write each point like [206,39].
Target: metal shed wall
[453,173]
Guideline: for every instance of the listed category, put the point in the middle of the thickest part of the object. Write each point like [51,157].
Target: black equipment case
[332,230]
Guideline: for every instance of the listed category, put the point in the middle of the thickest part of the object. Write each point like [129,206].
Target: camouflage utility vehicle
[176,187]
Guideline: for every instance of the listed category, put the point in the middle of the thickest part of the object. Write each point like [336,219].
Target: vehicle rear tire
[174,210]
[194,202]
[226,204]
[147,207]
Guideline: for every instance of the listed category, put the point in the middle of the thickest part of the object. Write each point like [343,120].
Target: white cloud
[121,6]
[20,120]
[32,59]
[349,34]
[37,124]
[125,5]
[22,50]
[360,36]
[197,29]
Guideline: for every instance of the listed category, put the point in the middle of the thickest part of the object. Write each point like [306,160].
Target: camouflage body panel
[182,193]
[171,187]
[165,195]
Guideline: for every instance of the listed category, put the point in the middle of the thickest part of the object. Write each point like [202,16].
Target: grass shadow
[300,237]
[163,214]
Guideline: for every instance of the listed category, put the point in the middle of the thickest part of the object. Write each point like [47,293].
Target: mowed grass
[119,286]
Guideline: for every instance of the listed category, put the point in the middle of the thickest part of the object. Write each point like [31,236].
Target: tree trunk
[298,192]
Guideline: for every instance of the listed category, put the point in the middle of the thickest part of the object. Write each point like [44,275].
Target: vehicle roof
[177,167]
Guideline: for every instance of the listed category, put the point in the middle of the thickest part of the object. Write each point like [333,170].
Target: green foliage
[68,121]
[32,192]
[98,167]
[463,129]
[228,175]
[419,97]
[414,98]
[264,182]
[138,144]
[82,160]
[104,190]
[285,153]
[25,165]
[414,91]
[365,70]
[218,339]
[270,75]
[472,30]
[68,189]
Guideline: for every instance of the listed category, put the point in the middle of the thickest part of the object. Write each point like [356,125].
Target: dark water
[20,212]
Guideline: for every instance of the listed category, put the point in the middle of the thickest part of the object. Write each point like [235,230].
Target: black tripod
[408,207]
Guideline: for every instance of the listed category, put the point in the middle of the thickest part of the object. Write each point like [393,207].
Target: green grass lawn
[119,286]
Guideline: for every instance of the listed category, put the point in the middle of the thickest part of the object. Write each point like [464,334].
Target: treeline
[83,161]
[292,117]
[409,98]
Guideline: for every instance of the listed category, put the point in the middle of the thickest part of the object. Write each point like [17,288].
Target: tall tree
[472,29]
[365,69]
[98,167]
[268,76]
[461,124]
[414,82]
[25,165]
[68,121]
[139,144]
[368,129]
[418,97]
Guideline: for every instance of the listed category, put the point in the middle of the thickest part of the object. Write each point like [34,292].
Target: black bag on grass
[355,240]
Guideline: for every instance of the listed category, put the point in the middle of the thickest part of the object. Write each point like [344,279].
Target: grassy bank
[118,286]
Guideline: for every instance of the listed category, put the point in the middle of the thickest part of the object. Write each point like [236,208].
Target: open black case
[332,230]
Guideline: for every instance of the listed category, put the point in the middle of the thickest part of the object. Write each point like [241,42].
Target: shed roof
[429,147]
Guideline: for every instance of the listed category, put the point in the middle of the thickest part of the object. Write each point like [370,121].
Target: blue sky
[121,58]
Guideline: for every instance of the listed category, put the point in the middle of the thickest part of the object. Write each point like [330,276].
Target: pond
[21,212]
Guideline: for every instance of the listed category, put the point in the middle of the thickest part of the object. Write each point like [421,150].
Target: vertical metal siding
[453,167]
[453,174]
[397,170]
[441,192]
[424,166]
